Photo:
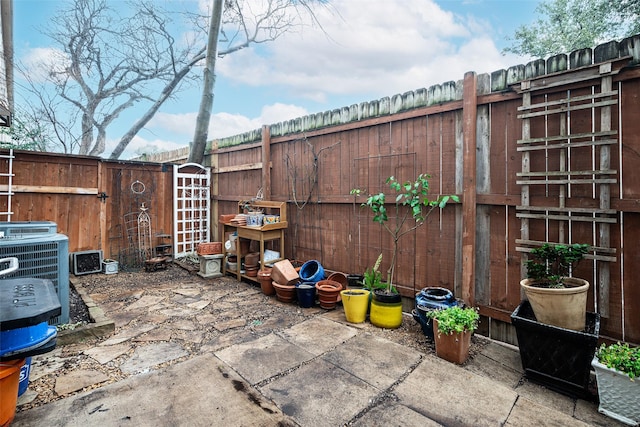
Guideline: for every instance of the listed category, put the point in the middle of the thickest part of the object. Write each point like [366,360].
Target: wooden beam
[239,168]
[266,161]
[48,189]
[469,113]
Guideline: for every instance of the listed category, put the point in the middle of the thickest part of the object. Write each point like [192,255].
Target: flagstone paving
[194,351]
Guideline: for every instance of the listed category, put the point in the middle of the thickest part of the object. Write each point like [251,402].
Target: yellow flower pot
[355,303]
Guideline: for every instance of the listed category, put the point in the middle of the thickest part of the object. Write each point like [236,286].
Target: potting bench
[262,234]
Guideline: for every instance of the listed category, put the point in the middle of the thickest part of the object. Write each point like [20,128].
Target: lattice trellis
[557,176]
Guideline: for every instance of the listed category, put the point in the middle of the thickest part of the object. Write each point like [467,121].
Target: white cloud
[375,47]
[38,62]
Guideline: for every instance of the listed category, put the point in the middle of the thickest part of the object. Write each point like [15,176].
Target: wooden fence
[543,152]
[547,151]
[94,202]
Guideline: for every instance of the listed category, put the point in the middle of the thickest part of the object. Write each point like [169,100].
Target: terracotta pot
[328,292]
[252,259]
[340,278]
[284,293]
[264,276]
[562,307]
[453,347]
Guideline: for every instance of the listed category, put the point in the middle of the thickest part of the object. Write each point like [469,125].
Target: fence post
[266,162]
[469,112]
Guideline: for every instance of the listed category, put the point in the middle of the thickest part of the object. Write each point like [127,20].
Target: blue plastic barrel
[311,271]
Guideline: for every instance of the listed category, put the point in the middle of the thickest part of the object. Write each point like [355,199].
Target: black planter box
[555,357]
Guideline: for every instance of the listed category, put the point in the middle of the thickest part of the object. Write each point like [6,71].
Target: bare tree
[108,63]
[240,24]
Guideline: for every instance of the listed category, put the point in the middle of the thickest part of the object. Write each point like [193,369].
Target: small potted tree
[452,330]
[617,369]
[556,298]
[412,207]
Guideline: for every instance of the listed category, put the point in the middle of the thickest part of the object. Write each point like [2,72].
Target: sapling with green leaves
[415,197]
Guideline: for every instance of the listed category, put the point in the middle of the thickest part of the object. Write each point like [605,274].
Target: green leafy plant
[620,357]
[413,196]
[549,265]
[373,276]
[455,319]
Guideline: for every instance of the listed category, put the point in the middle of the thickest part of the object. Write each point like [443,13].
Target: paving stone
[229,324]
[169,397]
[451,395]
[546,397]
[145,301]
[188,292]
[392,413]
[158,334]
[195,337]
[206,318]
[231,337]
[302,394]
[199,305]
[588,412]
[128,334]
[529,413]
[27,397]
[497,371]
[106,354]
[184,324]
[178,312]
[123,318]
[263,358]
[179,299]
[155,318]
[376,360]
[44,364]
[77,380]
[146,357]
[318,335]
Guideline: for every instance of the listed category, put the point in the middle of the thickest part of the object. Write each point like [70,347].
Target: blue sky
[376,48]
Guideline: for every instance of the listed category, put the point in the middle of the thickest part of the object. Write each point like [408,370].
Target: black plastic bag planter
[555,357]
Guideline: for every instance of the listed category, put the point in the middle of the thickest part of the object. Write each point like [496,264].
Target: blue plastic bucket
[21,340]
[306,294]
[24,376]
[311,271]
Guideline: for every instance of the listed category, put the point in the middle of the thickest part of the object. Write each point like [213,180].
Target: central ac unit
[42,256]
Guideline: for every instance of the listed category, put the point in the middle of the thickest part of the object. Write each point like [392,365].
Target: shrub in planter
[452,330]
[617,369]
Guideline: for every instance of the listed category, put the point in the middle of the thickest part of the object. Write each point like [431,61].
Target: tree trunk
[199,144]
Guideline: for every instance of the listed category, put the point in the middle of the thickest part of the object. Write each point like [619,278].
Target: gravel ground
[113,293]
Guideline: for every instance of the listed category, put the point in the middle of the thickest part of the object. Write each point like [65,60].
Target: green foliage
[412,195]
[455,319]
[566,25]
[620,357]
[549,264]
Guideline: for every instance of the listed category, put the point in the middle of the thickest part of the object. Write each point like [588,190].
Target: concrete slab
[375,360]
[219,397]
[504,354]
[495,370]
[263,358]
[545,396]
[188,292]
[317,394]
[318,335]
[392,413]
[337,315]
[151,355]
[588,412]
[77,380]
[451,395]
[106,354]
[528,413]
[232,337]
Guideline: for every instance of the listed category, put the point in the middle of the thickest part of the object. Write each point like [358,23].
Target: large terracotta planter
[452,347]
[562,307]
[328,292]
[356,304]
[284,293]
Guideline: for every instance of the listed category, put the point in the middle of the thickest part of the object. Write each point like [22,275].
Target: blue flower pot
[311,271]
[306,294]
